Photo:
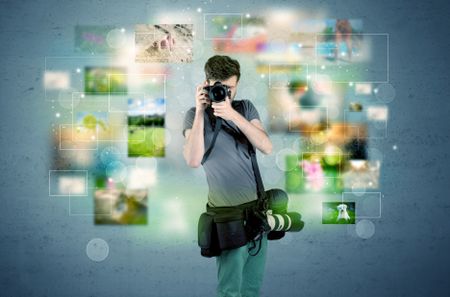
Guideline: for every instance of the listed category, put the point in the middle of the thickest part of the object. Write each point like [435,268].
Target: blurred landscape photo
[146,128]
[105,80]
[120,207]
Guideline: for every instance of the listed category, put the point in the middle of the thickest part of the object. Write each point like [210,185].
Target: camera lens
[218,93]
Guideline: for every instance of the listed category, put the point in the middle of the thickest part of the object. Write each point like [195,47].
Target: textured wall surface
[43,249]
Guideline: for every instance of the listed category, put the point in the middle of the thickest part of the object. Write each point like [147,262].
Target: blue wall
[43,248]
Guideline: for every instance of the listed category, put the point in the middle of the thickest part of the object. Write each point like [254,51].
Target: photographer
[228,169]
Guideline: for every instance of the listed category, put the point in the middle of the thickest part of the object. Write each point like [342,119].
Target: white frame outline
[288,64]
[102,57]
[366,123]
[60,141]
[93,214]
[323,153]
[68,170]
[356,215]
[290,130]
[223,14]
[368,34]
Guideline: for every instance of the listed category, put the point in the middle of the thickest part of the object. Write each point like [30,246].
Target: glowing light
[225,27]
[58,114]
[199,9]
[78,70]
[177,221]
[332,155]
[394,147]
[282,17]
[122,30]
[247,15]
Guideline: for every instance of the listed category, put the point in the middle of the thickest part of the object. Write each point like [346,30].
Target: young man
[228,169]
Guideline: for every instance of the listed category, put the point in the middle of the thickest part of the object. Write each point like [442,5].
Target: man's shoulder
[243,106]
[191,111]
[245,102]
[193,108]
[241,103]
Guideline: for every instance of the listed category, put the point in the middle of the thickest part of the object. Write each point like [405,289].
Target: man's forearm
[194,147]
[256,136]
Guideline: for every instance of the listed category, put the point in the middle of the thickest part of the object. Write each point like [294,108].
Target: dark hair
[222,68]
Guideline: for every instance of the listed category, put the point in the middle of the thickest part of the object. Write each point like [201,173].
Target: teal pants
[239,273]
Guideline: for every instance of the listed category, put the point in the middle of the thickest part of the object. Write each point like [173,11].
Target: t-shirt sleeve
[188,119]
[251,111]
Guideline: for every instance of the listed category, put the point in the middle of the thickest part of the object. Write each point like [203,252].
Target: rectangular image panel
[234,34]
[164,43]
[68,182]
[92,39]
[72,138]
[225,26]
[314,172]
[338,212]
[369,203]
[369,64]
[118,206]
[362,174]
[56,80]
[146,137]
[105,80]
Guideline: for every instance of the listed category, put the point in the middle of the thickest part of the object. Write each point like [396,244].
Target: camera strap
[216,123]
[262,204]
[259,183]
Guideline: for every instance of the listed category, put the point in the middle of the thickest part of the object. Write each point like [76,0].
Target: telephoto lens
[289,221]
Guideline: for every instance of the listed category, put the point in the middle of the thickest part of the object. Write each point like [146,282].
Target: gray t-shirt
[228,169]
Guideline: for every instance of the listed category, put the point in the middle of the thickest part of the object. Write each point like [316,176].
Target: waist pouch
[207,235]
[230,227]
[223,228]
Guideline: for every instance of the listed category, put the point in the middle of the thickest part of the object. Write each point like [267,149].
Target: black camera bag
[207,235]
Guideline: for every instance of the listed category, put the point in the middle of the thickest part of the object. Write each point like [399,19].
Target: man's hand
[201,98]
[224,109]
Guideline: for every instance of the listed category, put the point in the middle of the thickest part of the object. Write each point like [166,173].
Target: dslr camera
[218,92]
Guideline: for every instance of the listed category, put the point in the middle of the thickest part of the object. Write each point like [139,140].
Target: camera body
[218,92]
